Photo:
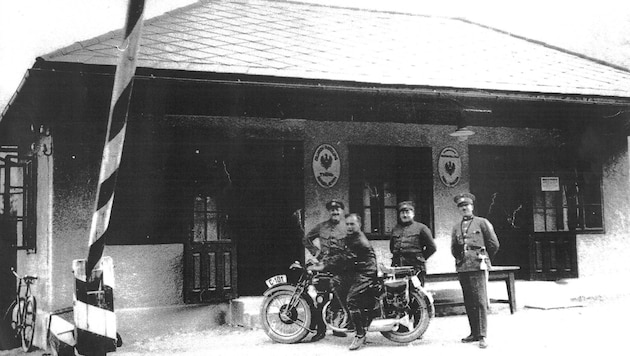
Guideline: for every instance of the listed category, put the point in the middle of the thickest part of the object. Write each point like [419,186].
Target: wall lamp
[463,131]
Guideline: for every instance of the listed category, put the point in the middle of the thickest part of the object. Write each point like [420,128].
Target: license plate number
[281,278]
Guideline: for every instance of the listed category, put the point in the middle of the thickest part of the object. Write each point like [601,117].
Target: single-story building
[246,117]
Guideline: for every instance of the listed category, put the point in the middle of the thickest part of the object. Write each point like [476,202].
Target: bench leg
[511,290]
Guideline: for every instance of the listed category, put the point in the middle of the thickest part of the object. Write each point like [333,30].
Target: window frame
[566,179]
[220,217]
[10,160]
[409,170]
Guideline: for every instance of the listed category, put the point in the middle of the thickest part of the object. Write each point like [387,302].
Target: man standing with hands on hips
[331,235]
[473,244]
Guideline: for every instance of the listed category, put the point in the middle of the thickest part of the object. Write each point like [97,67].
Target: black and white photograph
[314,177]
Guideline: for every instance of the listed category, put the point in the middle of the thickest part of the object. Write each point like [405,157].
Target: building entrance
[532,199]
[247,198]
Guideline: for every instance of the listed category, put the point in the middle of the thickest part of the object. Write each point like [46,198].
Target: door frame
[541,256]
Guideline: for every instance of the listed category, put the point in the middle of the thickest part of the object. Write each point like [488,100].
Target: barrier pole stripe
[95,320]
[84,295]
[116,129]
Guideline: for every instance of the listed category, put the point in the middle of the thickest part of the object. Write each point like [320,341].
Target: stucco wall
[148,275]
[606,255]
[38,262]
[75,179]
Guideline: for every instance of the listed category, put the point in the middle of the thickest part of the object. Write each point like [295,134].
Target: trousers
[475,290]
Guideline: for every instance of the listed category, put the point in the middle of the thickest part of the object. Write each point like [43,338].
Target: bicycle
[23,311]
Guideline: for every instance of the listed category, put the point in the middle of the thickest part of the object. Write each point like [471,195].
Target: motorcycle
[287,312]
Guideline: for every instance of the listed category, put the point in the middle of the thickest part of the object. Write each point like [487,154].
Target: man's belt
[468,248]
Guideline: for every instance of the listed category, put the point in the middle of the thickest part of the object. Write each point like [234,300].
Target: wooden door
[211,271]
[553,256]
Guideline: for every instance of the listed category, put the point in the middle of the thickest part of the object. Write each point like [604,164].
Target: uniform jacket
[473,241]
[330,234]
[355,257]
[411,244]
[364,256]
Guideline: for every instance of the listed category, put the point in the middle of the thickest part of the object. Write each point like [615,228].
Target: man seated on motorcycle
[359,262]
[411,243]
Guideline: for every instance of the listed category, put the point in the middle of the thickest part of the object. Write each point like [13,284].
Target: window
[576,204]
[17,191]
[209,224]
[381,177]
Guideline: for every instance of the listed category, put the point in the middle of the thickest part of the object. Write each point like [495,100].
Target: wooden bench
[497,273]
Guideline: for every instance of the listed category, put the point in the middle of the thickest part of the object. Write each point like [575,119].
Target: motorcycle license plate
[281,278]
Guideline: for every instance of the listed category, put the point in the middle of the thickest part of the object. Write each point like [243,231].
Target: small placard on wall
[550,184]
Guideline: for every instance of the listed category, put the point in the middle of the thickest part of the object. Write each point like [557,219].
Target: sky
[599,29]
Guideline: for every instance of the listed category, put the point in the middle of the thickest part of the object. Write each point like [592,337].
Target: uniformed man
[473,244]
[329,232]
[331,235]
[411,243]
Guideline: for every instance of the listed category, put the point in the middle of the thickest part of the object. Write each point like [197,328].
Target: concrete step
[245,312]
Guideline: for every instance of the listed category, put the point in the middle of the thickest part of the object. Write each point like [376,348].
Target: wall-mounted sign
[450,167]
[550,184]
[326,165]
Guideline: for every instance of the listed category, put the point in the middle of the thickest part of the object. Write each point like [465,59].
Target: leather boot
[359,338]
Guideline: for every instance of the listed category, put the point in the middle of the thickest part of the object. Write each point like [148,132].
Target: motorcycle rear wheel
[420,318]
[283,323]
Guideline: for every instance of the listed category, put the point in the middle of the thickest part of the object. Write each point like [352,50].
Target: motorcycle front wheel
[282,322]
[419,319]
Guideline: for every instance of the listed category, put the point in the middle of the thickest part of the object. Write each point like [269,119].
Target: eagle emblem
[326,161]
[326,165]
[450,167]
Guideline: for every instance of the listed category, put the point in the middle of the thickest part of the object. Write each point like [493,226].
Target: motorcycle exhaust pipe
[383,325]
[389,324]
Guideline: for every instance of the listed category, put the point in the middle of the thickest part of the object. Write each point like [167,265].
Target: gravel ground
[593,328]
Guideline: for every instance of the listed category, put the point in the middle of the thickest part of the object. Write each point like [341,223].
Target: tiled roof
[298,40]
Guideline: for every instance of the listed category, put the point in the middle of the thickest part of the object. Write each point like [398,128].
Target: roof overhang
[505,105]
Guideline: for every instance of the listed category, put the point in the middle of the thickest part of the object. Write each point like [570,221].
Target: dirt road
[593,328]
[596,328]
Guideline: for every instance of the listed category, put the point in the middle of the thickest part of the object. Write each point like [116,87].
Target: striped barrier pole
[94,317]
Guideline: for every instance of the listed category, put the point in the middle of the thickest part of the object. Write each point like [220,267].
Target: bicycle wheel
[9,333]
[28,324]
[11,316]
